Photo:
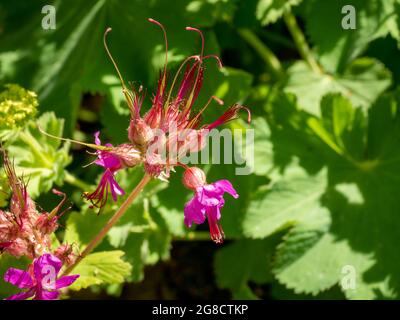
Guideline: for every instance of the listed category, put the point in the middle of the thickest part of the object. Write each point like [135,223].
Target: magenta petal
[66,281]
[105,158]
[209,195]
[115,188]
[97,138]
[214,212]
[194,212]
[46,265]
[226,186]
[108,160]
[19,278]
[47,295]
[21,295]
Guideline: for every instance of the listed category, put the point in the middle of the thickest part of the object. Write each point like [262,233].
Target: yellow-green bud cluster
[17,106]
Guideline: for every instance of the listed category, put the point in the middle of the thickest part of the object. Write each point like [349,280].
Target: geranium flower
[40,281]
[206,202]
[112,160]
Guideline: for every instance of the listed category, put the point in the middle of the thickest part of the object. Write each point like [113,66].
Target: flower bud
[45,224]
[66,254]
[193,178]
[127,154]
[140,133]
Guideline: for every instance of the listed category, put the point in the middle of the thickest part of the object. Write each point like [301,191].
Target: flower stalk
[301,42]
[75,181]
[265,53]
[113,220]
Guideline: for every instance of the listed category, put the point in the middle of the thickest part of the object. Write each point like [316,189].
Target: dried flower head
[24,230]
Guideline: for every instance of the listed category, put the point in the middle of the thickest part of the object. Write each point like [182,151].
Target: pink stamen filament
[202,39]
[177,74]
[218,100]
[189,102]
[108,30]
[165,40]
[216,232]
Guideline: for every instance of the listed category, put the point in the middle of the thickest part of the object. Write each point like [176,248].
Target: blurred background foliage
[325,105]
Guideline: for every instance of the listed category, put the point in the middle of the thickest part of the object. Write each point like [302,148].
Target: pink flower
[40,280]
[111,162]
[207,201]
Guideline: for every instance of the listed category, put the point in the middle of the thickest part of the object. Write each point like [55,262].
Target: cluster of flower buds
[24,230]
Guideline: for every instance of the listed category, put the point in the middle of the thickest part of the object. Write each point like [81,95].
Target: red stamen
[229,115]
[194,121]
[216,233]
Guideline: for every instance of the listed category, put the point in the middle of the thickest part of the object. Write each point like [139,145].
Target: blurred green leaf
[362,82]
[338,47]
[255,265]
[269,11]
[7,261]
[40,159]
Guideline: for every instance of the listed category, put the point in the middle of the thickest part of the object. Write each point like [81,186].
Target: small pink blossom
[40,280]
[111,164]
[206,202]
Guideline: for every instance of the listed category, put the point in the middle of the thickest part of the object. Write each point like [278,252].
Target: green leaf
[207,12]
[81,227]
[101,268]
[338,47]
[256,257]
[7,261]
[342,126]
[259,157]
[349,224]
[282,205]
[269,11]
[362,82]
[301,242]
[41,159]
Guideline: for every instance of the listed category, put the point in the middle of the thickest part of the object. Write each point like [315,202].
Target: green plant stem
[113,220]
[35,146]
[277,38]
[265,53]
[76,182]
[301,42]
